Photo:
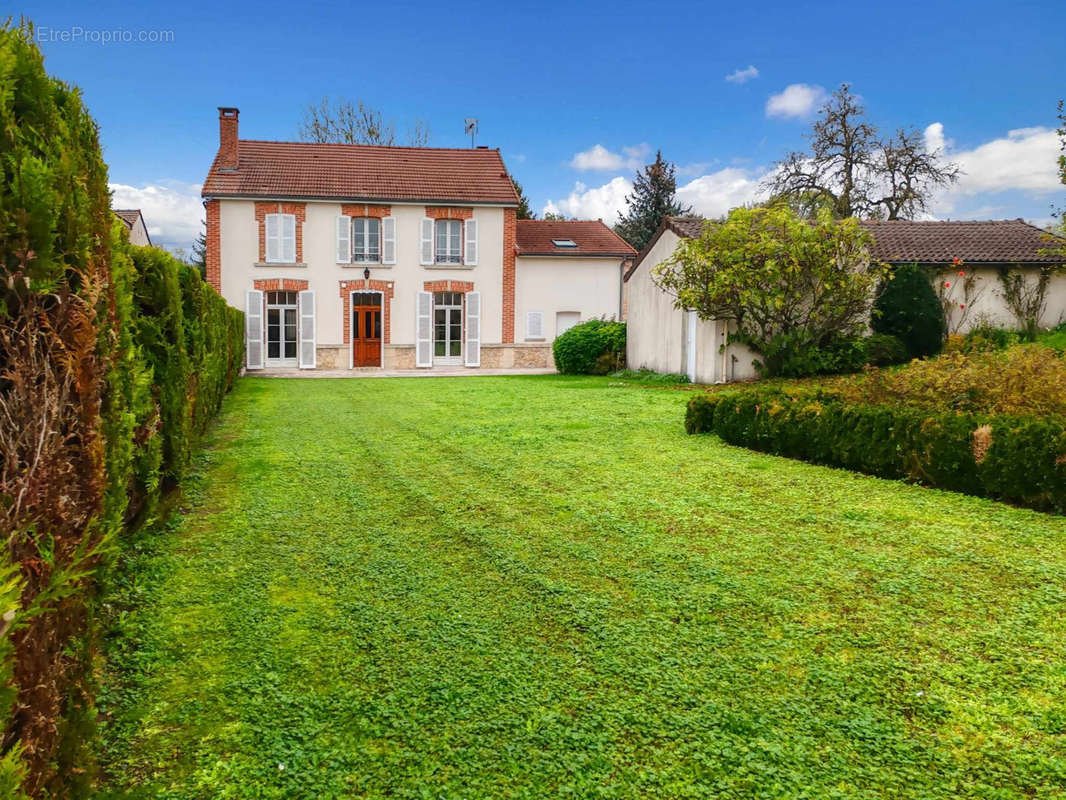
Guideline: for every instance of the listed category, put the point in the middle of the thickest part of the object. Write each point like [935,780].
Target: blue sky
[552,81]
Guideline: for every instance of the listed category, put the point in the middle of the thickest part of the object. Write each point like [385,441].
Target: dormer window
[366,240]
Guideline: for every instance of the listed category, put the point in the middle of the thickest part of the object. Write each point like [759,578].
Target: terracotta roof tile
[1005,241]
[592,237]
[363,172]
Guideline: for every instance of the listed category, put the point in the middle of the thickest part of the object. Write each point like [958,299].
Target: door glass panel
[368,324]
[377,324]
[290,333]
[273,333]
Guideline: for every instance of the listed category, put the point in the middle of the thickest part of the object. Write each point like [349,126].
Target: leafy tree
[524,211]
[345,122]
[556,216]
[653,198]
[908,308]
[787,284]
[199,253]
[856,173]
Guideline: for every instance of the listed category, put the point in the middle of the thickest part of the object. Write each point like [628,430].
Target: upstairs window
[564,243]
[366,240]
[449,241]
[281,238]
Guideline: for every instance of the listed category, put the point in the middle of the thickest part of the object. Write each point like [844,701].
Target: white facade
[552,293]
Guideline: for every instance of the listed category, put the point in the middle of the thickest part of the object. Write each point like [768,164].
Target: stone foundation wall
[493,356]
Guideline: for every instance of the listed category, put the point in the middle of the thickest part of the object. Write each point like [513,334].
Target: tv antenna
[471,128]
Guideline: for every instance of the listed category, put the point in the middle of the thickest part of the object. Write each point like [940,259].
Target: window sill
[283,265]
[449,266]
[364,265]
[536,339]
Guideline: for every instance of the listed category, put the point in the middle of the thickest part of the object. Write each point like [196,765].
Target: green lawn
[541,587]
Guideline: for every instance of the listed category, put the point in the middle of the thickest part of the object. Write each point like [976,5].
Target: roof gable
[307,170]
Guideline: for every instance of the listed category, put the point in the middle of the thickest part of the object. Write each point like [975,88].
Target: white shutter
[288,238]
[424,330]
[388,240]
[307,329]
[344,240]
[535,325]
[470,257]
[273,237]
[427,241]
[253,329]
[473,329]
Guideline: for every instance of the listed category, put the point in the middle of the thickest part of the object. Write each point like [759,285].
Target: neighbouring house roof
[304,170]
[540,237]
[131,217]
[1006,241]
[1003,241]
[688,227]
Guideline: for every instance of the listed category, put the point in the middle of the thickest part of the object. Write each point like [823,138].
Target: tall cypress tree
[652,199]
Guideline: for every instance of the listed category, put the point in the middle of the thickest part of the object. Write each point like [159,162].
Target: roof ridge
[374,146]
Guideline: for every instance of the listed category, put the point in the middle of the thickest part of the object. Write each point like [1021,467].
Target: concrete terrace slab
[374,372]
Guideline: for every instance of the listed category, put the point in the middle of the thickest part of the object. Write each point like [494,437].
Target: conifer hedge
[1016,458]
[112,361]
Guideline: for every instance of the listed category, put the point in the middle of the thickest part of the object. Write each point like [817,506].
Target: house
[349,256]
[134,222]
[667,339]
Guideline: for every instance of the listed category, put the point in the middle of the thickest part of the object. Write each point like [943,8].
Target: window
[564,243]
[535,325]
[281,238]
[366,239]
[449,241]
[281,298]
[447,325]
[565,320]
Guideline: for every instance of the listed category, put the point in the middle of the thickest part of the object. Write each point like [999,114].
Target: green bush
[883,349]
[907,307]
[596,347]
[1020,459]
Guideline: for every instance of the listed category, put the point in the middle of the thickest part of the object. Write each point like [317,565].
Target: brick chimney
[227,138]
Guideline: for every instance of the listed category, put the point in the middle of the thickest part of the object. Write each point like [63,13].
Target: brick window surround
[279,285]
[361,285]
[298,210]
[448,286]
[364,210]
[449,212]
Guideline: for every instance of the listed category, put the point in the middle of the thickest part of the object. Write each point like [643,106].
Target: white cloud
[743,75]
[797,100]
[603,202]
[711,195]
[714,194]
[172,210]
[599,157]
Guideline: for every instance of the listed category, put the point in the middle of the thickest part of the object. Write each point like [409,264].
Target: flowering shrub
[959,291]
[1025,379]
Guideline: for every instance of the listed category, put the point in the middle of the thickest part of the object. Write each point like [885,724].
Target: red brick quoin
[509,226]
[361,285]
[299,210]
[213,252]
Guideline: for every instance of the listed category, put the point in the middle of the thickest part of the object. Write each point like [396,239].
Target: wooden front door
[366,329]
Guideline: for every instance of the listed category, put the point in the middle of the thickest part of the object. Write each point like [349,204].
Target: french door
[447,328]
[366,329]
[282,315]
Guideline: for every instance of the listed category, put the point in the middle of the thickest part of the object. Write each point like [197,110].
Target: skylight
[564,243]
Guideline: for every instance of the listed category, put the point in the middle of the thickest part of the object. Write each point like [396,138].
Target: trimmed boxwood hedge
[1019,459]
[596,347]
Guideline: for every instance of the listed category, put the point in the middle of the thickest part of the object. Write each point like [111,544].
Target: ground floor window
[281,327]
[447,325]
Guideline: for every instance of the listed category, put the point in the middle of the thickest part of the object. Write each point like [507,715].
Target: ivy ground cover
[541,587]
